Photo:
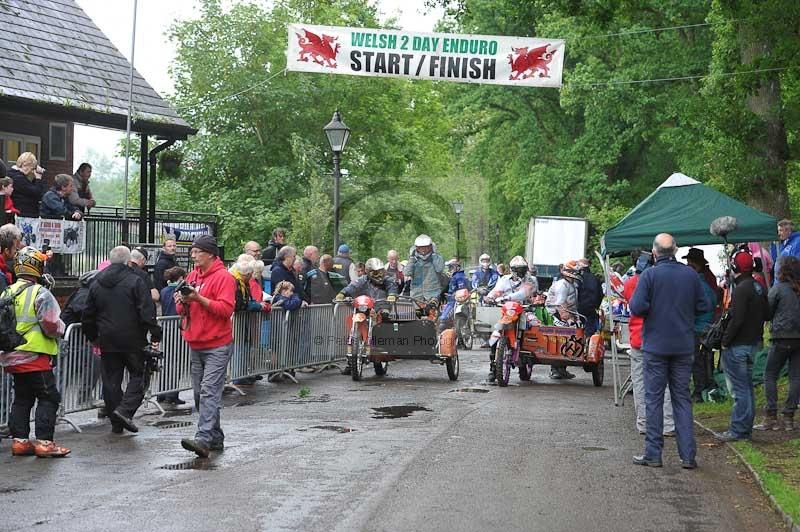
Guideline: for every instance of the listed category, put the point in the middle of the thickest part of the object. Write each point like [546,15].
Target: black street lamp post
[458,206]
[338,134]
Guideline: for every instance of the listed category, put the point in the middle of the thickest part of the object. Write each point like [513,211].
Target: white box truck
[554,240]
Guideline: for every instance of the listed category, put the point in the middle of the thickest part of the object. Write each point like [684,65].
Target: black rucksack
[10,339]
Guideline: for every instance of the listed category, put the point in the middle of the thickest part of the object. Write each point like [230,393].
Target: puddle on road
[167,424]
[6,491]
[395,412]
[201,464]
[334,428]
[473,390]
[594,448]
[246,402]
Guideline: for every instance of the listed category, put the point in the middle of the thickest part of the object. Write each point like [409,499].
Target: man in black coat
[274,245]
[165,261]
[118,315]
[590,295]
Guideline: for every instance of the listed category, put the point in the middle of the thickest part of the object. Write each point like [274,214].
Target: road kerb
[786,517]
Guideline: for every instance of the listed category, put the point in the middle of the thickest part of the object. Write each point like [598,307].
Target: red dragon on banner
[320,49]
[528,62]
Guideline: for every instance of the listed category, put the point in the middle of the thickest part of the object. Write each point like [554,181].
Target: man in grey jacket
[81,195]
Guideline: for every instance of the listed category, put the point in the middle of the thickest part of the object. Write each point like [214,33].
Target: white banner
[63,236]
[521,61]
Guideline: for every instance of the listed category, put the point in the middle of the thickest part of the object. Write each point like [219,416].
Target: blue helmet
[344,248]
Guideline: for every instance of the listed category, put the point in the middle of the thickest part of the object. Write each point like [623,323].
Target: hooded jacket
[207,328]
[790,246]
[27,194]
[268,255]
[119,311]
[164,263]
[749,310]
[76,304]
[590,293]
[423,275]
[784,311]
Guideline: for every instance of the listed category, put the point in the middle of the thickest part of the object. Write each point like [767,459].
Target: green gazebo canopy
[685,208]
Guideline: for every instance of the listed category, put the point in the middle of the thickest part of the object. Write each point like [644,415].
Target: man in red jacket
[637,375]
[206,327]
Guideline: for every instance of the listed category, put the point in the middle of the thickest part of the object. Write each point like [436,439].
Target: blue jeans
[737,361]
[659,372]
[208,380]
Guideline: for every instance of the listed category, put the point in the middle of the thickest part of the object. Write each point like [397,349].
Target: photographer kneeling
[118,315]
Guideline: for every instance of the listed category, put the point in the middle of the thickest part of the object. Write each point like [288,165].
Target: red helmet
[363,303]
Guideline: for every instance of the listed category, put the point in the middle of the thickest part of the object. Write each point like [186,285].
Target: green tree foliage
[599,145]
[636,106]
[261,158]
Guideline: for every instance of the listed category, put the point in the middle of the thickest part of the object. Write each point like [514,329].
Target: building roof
[55,60]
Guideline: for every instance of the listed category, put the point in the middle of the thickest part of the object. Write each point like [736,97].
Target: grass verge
[774,455]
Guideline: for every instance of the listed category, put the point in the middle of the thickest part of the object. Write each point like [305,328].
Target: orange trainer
[22,448]
[49,449]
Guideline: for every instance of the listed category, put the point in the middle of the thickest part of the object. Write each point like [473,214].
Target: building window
[12,145]
[58,141]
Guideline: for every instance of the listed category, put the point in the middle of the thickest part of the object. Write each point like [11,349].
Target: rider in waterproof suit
[562,303]
[375,284]
[458,280]
[485,278]
[423,270]
[520,286]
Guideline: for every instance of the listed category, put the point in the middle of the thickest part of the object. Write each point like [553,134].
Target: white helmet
[423,240]
[484,257]
[519,266]
[485,261]
[375,269]
[374,264]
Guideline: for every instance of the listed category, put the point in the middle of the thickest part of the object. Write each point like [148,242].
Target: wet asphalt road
[545,455]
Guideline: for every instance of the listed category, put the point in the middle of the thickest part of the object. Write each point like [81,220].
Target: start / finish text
[434,66]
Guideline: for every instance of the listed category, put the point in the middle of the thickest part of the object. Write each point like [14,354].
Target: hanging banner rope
[521,61]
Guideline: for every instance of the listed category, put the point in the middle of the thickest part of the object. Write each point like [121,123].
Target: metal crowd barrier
[263,343]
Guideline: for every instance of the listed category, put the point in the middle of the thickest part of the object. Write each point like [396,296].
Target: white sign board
[62,236]
[492,59]
[554,240]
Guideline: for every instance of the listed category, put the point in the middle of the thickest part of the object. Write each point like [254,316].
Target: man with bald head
[668,297]
[253,249]
[310,258]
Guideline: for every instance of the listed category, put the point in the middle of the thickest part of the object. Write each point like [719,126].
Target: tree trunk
[770,192]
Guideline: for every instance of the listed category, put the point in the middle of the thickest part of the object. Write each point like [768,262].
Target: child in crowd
[173,276]
[6,189]
[285,297]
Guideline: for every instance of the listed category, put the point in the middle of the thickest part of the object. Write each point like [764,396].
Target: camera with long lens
[184,288]
[152,359]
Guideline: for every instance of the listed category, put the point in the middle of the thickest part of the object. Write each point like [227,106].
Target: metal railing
[263,343]
[105,228]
